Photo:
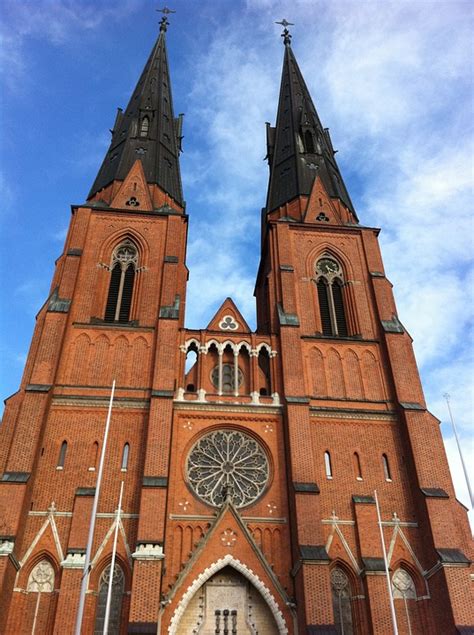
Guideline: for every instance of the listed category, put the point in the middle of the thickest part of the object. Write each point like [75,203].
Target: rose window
[228,377]
[227,463]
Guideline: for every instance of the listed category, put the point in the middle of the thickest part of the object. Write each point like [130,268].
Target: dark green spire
[147,130]
[299,148]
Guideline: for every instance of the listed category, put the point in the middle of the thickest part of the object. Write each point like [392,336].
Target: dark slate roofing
[452,556]
[159,148]
[299,147]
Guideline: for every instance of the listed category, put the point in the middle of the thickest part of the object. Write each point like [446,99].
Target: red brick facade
[335,417]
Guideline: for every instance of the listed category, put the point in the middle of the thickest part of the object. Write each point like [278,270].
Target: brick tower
[249,459]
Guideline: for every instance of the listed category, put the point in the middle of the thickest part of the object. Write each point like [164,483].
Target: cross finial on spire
[164,24]
[286,35]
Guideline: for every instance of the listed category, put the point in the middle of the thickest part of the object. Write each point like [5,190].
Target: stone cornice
[100,402]
[227,407]
[352,413]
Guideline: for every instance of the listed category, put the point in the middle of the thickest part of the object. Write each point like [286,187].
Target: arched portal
[229,601]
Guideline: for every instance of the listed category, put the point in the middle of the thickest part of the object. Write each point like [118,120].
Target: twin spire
[147,130]
[298,147]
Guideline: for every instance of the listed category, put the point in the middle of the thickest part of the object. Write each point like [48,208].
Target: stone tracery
[227,459]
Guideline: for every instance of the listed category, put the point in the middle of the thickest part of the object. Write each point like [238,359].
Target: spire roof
[147,130]
[298,147]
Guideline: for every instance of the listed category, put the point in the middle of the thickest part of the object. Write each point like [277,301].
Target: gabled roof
[228,528]
[149,111]
[236,324]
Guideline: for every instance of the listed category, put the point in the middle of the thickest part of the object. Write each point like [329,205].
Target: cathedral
[287,480]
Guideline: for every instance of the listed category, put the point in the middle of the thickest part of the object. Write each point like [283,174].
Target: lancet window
[144,127]
[118,583]
[327,465]
[357,466]
[125,454]
[122,278]
[403,588]
[386,468]
[341,601]
[330,282]
[309,142]
[62,455]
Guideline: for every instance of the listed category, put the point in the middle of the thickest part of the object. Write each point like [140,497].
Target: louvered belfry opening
[339,312]
[309,142]
[124,314]
[122,278]
[330,282]
[324,308]
[113,293]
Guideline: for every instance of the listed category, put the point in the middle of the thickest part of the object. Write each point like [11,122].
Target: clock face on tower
[326,265]
[227,462]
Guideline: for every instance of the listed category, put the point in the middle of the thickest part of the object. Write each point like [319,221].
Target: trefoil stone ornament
[228,323]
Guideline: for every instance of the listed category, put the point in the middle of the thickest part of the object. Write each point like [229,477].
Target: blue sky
[392,80]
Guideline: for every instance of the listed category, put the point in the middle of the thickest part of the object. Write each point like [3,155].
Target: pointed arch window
[144,128]
[41,579]
[403,588]
[329,283]
[341,600]
[62,456]
[386,468]
[118,583]
[125,454]
[309,142]
[94,456]
[328,465]
[122,278]
[357,466]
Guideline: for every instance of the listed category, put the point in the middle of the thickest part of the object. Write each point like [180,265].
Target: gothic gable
[228,319]
[134,193]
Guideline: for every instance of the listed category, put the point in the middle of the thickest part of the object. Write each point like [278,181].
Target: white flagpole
[389,584]
[466,473]
[86,570]
[112,564]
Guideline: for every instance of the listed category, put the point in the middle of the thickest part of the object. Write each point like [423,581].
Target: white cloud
[393,82]
[55,21]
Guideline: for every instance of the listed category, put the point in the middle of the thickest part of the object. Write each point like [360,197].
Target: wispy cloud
[55,21]
[397,101]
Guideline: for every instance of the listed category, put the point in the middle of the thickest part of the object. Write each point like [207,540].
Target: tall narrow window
[62,455]
[339,315]
[330,284]
[94,456]
[403,588]
[40,590]
[309,142]
[341,602]
[117,582]
[323,298]
[357,468]
[144,127]
[386,468]
[327,464]
[125,453]
[123,268]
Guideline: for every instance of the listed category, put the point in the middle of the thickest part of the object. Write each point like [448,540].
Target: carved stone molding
[148,551]
[74,560]
[6,546]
